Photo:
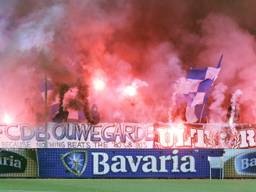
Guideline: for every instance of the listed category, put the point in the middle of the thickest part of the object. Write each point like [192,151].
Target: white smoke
[38,30]
[217,111]
[235,106]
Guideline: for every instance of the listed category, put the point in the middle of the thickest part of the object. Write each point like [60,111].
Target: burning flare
[7,119]
[173,135]
[130,91]
[99,84]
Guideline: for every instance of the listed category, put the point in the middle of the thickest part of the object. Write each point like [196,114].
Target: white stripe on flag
[191,85]
[190,114]
[198,99]
[212,73]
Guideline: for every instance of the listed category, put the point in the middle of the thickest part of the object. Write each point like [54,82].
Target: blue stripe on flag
[198,74]
[200,111]
[205,85]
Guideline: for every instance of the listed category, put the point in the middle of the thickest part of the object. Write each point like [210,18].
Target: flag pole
[46,108]
[45,96]
[202,112]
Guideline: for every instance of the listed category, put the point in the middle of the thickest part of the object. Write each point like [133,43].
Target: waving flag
[198,84]
[46,89]
[54,105]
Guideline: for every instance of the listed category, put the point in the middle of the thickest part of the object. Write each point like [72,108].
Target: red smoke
[149,43]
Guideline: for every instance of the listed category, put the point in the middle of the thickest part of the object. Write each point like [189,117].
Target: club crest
[75,161]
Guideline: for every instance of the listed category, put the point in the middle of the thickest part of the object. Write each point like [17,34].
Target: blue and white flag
[198,84]
[47,89]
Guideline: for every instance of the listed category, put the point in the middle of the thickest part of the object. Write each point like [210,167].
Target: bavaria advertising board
[240,163]
[18,163]
[77,135]
[128,163]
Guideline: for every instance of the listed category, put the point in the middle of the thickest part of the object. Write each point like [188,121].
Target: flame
[172,135]
[130,90]
[99,84]
[231,121]
[7,119]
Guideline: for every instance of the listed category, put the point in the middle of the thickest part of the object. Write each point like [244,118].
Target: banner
[205,135]
[74,135]
[128,163]
[128,135]
[18,163]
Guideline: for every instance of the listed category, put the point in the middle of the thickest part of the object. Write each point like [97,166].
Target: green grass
[125,185]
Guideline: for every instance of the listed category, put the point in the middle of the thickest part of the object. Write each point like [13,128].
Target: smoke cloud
[148,43]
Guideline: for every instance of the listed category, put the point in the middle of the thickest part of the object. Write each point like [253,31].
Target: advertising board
[18,163]
[239,163]
[125,163]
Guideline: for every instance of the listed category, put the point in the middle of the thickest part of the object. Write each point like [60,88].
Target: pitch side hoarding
[240,163]
[18,163]
[125,163]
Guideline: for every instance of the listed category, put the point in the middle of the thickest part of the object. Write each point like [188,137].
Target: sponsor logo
[75,161]
[11,162]
[173,163]
[245,164]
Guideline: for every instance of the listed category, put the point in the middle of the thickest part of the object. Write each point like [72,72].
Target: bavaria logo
[245,164]
[11,162]
[75,161]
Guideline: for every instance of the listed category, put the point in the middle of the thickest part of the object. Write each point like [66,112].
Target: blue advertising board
[125,163]
[246,163]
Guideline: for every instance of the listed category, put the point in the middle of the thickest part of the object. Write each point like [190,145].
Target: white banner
[128,135]
[74,135]
[203,135]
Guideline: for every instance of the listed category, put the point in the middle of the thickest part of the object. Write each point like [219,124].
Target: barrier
[128,163]
[240,163]
[18,163]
